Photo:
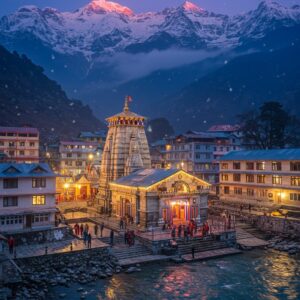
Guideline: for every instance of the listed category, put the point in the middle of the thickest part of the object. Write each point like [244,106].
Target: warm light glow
[66,185]
[79,186]
[91,156]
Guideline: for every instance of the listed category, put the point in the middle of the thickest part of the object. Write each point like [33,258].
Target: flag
[129,98]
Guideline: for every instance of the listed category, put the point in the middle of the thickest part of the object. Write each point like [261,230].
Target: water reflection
[252,275]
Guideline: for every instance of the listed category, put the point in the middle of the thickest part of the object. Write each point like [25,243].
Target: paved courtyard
[55,247]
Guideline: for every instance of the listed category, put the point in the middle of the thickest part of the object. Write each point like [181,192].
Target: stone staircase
[118,239]
[199,245]
[138,250]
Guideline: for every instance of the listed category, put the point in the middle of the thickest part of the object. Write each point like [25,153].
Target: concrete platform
[211,254]
[246,239]
[143,259]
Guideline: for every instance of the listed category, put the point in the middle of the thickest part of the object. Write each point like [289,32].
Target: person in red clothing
[11,244]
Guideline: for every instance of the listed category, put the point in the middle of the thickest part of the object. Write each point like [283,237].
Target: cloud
[132,66]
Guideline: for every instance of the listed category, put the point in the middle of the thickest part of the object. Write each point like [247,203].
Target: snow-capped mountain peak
[189,6]
[103,6]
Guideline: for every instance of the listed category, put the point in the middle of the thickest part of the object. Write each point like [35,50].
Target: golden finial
[126,105]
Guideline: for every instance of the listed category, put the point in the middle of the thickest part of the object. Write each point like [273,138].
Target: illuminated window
[276,179]
[249,178]
[295,166]
[260,166]
[238,191]
[295,196]
[224,166]
[250,192]
[224,177]
[276,166]
[226,190]
[261,178]
[38,200]
[295,181]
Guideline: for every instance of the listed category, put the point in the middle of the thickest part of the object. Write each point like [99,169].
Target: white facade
[27,197]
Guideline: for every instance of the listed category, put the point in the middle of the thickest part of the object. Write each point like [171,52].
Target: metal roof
[275,154]
[95,134]
[18,130]
[14,170]
[145,177]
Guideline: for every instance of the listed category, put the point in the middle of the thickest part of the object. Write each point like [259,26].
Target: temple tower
[126,150]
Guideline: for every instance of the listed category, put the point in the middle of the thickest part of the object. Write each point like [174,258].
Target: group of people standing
[83,231]
[188,231]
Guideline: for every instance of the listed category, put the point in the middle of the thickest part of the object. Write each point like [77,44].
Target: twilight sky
[222,6]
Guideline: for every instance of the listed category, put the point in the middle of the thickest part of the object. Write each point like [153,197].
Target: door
[182,212]
[28,221]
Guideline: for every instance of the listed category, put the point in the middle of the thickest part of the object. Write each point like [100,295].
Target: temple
[129,187]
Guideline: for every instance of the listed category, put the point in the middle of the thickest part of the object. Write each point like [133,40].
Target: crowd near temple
[117,173]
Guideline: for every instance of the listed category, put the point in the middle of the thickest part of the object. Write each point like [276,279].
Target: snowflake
[52,129]
[52,71]
[225,62]
[71,103]
[73,121]
[230,89]
[52,57]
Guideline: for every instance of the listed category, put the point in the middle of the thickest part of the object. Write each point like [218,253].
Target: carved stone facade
[126,150]
[154,196]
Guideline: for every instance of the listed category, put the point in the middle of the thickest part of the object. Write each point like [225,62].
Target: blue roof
[275,154]
[95,134]
[14,170]
[145,177]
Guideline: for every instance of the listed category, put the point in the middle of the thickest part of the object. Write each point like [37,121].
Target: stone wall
[42,236]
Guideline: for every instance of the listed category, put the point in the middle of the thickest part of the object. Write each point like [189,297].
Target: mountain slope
[242,84]
[27,96]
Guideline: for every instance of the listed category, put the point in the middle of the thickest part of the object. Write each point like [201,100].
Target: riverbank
[273,274]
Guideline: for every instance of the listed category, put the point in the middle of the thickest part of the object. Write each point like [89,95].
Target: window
[78,155]
[68,163]
[10,183]
[38,182]
[226,190]
[295,166]
[249,166]
[11,153]
[31,144]
[10,201]
[276,179]
[236,177]
[236,166]
[276,166]
[207,156]
[224,177]
[11,144]
[79,163]
[224,166]
[262,193]
[38,200]
[295,181]
[22,144]
[22,152]
[249,178]
[260,166]
[9,220]
[250,192]
[69,155]
[261,178]
[40,218]
[238,191]
[1,143]
[295,196]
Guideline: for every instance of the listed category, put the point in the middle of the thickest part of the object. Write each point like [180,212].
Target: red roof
[19,130]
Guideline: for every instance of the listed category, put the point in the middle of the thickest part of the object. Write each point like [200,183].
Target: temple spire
[126,104]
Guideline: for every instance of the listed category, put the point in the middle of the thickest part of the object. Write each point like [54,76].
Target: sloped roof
[275,154]
[14,170]
[145,177]
[19,130]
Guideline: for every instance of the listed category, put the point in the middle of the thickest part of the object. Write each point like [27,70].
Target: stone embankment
[291,246]
[83,267]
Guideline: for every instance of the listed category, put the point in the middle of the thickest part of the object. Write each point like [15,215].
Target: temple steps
[200,246]
[126,252]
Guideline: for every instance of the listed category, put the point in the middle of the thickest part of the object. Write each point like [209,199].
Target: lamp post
[66,187]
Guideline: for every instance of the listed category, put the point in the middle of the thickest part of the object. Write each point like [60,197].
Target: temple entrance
[179,213]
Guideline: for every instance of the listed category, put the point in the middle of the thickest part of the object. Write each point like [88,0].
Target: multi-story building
[199,152]
[27,196]
[19,144]
[261,177]
[158,154]
[96,136]
[78,157]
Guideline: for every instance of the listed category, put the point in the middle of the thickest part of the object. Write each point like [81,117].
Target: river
[257,274]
